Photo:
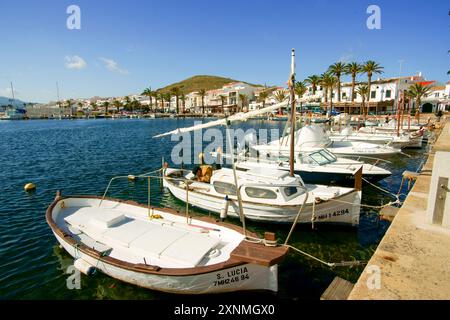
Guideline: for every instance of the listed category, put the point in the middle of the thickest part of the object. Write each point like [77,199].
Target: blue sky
[129,45]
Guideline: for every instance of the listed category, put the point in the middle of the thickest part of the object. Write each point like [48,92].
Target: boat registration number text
[232,276]
[334,214]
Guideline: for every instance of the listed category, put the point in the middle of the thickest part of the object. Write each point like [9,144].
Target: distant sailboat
[11,112]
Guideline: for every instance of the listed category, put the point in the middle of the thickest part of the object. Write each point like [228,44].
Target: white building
[383,93]
[438,99]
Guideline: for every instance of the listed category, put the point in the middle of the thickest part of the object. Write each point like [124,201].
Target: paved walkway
[414,256]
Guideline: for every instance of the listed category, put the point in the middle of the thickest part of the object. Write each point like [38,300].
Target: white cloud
[75,62]
[113,66]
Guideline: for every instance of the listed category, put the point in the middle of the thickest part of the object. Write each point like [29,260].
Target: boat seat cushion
[127,231]
[156,240]
[190,249]
[94,216]
[107,219]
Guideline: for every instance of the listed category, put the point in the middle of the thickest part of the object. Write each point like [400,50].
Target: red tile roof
[426,83]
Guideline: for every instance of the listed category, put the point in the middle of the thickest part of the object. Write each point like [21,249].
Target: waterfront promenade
[414,255]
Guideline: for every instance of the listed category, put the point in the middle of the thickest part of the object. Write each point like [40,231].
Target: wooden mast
[291,84]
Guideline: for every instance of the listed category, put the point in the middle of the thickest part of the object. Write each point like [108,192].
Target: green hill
[196,83]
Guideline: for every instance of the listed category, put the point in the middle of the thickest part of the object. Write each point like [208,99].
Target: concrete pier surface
[413,259]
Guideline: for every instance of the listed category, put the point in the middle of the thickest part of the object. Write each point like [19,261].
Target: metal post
[148,200]
[293,112]
[238,192]
[187,202]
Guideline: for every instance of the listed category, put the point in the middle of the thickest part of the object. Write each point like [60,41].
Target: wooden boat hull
[249,267]
[240,278]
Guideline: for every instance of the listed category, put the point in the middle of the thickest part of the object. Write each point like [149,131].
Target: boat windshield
[322,157]
[260,193]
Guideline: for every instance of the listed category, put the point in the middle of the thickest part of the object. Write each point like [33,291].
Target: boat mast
[291,84]
[12,94]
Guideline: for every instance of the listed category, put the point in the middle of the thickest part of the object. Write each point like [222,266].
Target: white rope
[267,243]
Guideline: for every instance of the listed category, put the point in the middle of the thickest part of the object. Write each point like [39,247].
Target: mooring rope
[329,264]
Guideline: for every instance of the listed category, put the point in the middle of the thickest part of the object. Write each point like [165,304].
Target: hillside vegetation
[200,82]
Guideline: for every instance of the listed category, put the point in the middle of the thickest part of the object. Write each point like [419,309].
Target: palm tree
[314,81]
[106,106]
[280,96]
[156,96]
[353,69]
[337,70]
[167,98]
[300,89]
[329,82]
[243,97]
[161,97]
[93,105]
[149,93]
[176,92]
[324,78]
[371,67]
[69,105]
[417,92]
[127,103]
[80,106]
[117,105]
[222,101]
[183,101]
[362,91]
[202,94]
[332,83]
[263,95]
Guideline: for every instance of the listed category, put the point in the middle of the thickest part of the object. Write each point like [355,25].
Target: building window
[344,95]
[373,94]
[388,93]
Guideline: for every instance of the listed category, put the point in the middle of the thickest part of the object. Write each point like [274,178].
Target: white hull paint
[346,211]
[239,278]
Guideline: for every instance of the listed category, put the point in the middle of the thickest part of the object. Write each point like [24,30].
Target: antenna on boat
[291,84]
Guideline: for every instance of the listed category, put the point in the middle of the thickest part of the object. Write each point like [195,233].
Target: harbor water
[81,156]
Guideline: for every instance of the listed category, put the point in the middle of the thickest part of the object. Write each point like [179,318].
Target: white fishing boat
[12,113]
[159,249]
[321,167]
[404,140]
[314,138]
[260,194]
[267,195]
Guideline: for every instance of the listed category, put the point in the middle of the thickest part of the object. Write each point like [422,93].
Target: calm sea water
[81,156]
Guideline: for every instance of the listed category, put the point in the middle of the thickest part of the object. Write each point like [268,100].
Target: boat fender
[317,200]
[29,187]
[63,205]
[84,267]
[224,210]
[131,177]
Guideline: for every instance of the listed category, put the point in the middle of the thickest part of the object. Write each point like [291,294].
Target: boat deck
[161,242]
